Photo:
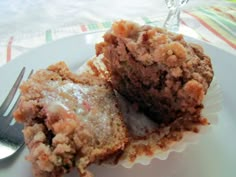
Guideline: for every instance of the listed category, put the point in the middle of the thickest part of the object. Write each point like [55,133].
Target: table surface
[26,24]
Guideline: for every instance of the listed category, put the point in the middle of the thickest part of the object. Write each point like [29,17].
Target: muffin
[166,77]
[163,85]
[69,120]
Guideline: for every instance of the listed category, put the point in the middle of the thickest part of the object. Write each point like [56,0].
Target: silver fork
[11,137]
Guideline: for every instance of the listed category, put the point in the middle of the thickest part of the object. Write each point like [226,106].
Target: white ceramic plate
[213,156]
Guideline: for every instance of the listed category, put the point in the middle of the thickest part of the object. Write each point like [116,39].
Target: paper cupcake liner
[212,105]
[142,151]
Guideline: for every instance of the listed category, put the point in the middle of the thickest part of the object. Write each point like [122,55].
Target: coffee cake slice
[69,120]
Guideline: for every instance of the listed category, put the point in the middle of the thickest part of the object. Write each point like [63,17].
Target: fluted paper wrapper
[142,151]
[147,140]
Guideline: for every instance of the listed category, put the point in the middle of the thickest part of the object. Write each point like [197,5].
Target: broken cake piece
[69,121]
